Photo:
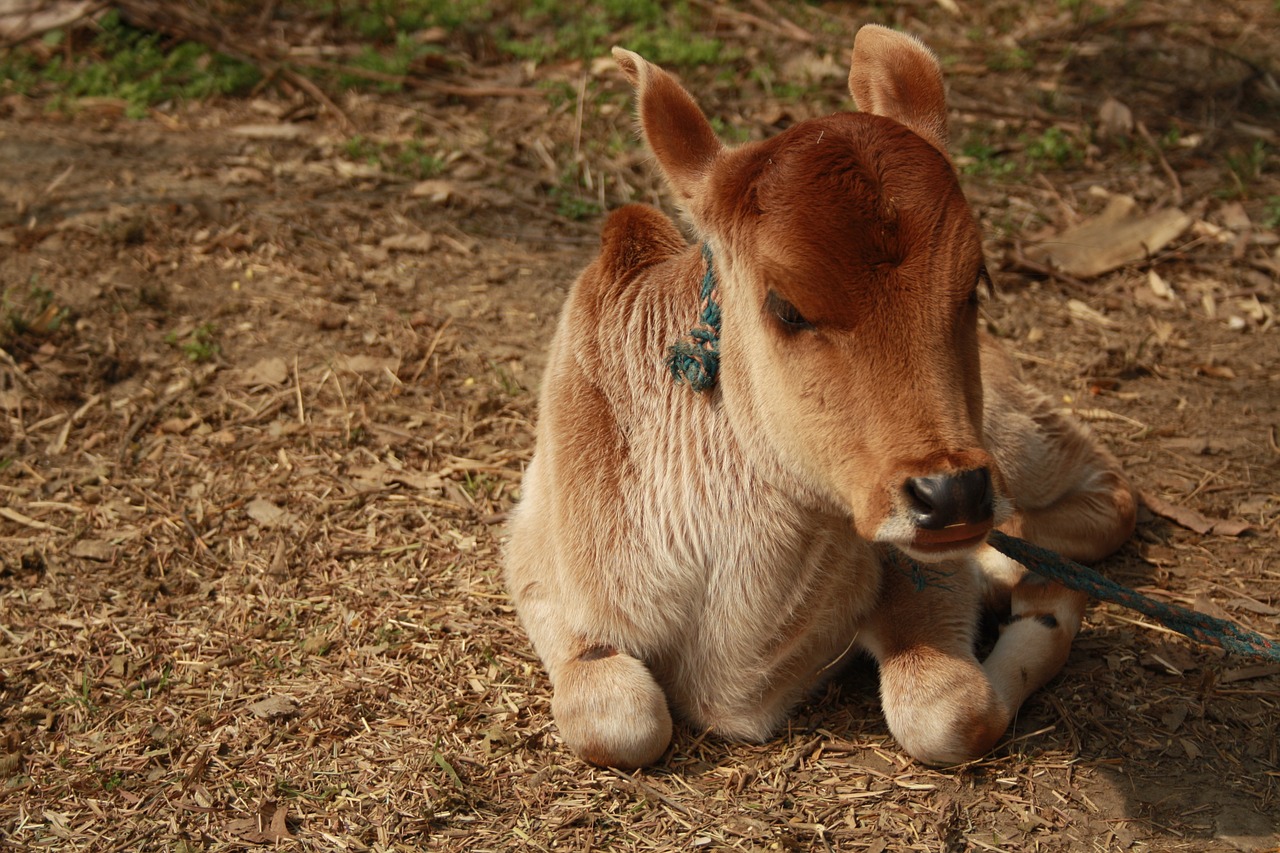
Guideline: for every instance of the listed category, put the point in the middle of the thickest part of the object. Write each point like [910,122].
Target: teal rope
[696,358]
[1198,626]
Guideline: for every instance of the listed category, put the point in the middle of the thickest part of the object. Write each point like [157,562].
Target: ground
[266,397]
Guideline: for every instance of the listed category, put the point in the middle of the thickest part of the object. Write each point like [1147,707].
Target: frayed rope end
[694,364]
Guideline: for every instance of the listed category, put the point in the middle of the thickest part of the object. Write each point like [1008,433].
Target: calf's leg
[606,703]
[943,705]
[1069,493]
[610,710]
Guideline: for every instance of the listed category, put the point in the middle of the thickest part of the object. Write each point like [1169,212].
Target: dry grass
[255,598]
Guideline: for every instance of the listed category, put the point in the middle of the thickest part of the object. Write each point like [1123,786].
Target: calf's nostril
[919,491]
[943,500]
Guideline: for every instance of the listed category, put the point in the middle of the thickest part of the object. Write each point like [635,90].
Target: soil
[264,405]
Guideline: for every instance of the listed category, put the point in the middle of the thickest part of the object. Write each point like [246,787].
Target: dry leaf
[1174,717]
[1230,527]
[1209,607]
[221,438]
[1235,217]
[812,67]
[269,371]
[269,826]
[274,707]
[369,363]
[1163,329]
[1215,371]
[1248,673]
[1115,237]
[368,476]
[22,19]
[435,191]
[1114,119]
[461,245]
[267,513]
[347,169]
[35,524]
[1193,520]
[1249,605]
[177,426]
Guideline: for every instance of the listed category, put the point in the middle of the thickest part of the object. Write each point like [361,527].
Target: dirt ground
[264,404]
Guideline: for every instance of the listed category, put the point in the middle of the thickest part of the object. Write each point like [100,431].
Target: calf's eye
[785,313]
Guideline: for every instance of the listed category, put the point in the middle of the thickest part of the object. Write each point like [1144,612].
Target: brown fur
[718,553]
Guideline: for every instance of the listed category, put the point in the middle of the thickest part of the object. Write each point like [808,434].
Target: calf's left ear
[678,133]
[896,76]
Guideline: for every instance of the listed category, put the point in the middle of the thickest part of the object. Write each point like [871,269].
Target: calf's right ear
[896,76]
[678,133]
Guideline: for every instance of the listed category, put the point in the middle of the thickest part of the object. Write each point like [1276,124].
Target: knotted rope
[696,360]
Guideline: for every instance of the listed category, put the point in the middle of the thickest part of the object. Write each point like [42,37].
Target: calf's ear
[896,76]
[678,133]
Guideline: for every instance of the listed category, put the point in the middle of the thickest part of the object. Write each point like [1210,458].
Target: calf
[718,553]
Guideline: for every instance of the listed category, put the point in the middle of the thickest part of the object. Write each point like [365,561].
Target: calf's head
[848,263]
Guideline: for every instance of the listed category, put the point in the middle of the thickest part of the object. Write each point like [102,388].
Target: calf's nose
[943,500]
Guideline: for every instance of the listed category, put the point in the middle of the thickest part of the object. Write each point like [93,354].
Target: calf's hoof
[954,736]
[611,712]
[943,715]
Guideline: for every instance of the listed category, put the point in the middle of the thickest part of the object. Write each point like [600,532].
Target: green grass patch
[979,157]
[1012,59]
[200,345]
[389,20]
[388,66]
[35,314]
[571,202]
[409,158]
[668,34]
[1245,167]
[982,155]
[1055,148]
[394,40]
[1271,212]
[142,69]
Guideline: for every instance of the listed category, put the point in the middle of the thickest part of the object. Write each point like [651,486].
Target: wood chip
[35,524]
[283,131]
[93,549]
[421,242]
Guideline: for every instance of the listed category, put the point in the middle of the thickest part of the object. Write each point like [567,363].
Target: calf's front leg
[1069,493]
[610,710]
[943,705]
[606,703]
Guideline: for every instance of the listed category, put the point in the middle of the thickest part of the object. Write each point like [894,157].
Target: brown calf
[717,553]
